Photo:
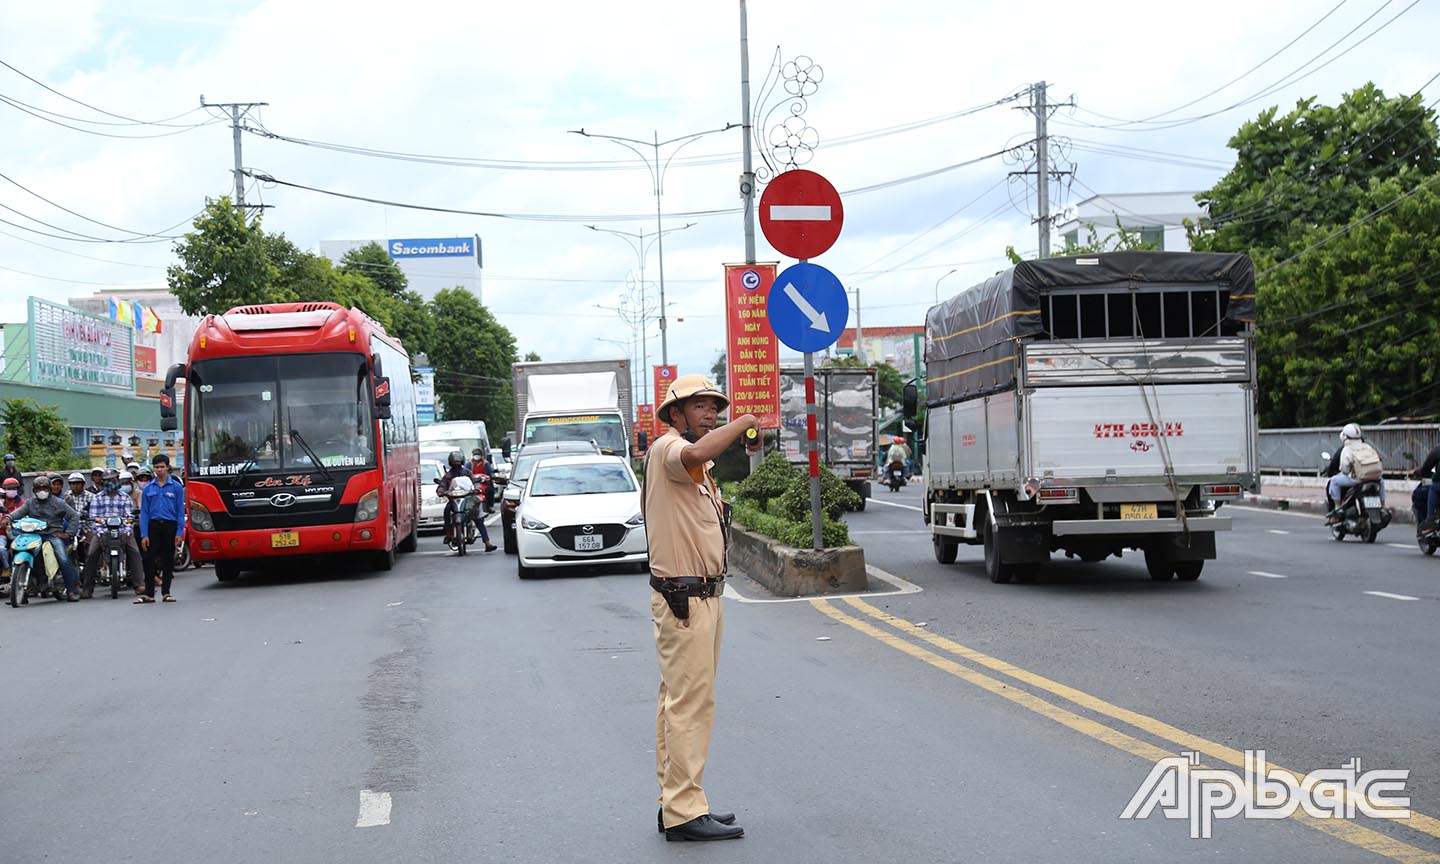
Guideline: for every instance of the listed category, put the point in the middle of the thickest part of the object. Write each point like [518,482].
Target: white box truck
[847,406]
[584,400]
[1091,405]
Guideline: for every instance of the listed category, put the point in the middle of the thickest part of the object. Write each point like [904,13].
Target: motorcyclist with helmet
[59,518]
[898,452]
[10,472]
[79,498]
[9,501]
[1341,469]
[112,501]
[484,475]
[457,468]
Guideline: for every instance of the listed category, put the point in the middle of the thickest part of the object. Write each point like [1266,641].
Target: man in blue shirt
[162,528]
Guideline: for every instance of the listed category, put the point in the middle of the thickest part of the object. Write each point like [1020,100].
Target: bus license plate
[284,540]
[1137,511]
[1372,503]
[589,543]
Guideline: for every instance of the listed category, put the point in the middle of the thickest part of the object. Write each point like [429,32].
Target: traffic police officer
[684,523]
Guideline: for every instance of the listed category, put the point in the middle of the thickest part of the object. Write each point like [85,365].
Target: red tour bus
[300,437]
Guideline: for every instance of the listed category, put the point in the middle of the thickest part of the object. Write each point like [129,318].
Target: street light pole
[657,177]
[938,281]
[642,251]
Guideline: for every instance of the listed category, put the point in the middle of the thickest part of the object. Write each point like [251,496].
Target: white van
[462,435]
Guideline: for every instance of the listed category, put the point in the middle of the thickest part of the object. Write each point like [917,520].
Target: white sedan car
[580,511]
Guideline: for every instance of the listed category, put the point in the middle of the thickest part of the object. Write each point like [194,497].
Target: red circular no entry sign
[800,213]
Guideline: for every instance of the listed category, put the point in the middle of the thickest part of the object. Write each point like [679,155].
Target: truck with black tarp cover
[1091,405]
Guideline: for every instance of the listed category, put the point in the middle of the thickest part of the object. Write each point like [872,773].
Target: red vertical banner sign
[644,422]
[663,376]
[752,353]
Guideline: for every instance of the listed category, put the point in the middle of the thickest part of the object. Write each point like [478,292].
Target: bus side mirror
[642,440]
[168,421]
[909,401]
[382,398]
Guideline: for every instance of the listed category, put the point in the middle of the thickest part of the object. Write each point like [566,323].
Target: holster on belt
[677,597]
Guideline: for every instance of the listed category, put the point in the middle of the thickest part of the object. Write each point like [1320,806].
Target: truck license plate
[1137,511]
[1372,503]
[284,540]
[589,543]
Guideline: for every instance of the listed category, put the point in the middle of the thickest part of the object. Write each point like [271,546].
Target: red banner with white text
[752,353]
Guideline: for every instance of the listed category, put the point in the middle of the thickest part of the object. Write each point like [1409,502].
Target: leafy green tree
[223,262]
[1121,239]
[718,370]
[38,436]
[472,355]
[1338,208]
[375,264]
[532,357]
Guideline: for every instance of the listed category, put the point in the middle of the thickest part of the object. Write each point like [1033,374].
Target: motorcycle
[28,543]
[1361,512]
[895,476]
[1427,534]
[464,504]
[117,533]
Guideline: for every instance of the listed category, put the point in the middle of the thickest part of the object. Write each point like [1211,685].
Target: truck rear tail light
[859,472]
[1059,495]
[1220,490]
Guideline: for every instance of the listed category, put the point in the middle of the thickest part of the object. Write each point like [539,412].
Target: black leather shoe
[704,828]
[722,818]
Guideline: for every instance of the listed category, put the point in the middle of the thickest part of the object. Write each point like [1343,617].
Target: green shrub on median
[775,501]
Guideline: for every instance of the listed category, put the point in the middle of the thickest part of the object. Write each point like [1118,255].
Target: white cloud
[509,80]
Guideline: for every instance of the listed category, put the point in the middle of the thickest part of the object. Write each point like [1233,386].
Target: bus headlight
[200,518]
[369,506]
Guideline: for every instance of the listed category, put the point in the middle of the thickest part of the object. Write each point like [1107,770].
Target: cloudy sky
[497,86]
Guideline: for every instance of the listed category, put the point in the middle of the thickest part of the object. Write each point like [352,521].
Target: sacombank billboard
[435,247]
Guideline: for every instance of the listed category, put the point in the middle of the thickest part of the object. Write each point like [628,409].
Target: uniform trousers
[689,653]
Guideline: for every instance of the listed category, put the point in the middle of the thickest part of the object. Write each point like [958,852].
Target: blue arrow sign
[808,307]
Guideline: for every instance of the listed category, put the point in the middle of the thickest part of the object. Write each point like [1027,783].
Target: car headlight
[369,506]
[533,524]
[636,521]
[200,518]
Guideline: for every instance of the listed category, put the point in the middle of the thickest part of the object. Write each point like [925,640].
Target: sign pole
[812,445]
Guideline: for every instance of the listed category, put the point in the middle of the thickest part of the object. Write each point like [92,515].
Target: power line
[78,254]
[45,86]
[80,281]
[16,105]
[1292,77]
[33,193]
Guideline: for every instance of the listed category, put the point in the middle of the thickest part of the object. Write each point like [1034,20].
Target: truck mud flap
[1178,547]
[1023,544]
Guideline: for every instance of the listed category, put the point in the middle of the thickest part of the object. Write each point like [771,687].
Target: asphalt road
[447,711]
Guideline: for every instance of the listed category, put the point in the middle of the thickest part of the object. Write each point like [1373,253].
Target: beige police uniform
[682,524]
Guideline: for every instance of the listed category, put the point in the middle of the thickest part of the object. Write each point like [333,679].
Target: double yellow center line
[1346,830]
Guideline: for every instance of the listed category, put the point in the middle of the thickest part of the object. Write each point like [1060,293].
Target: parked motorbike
[895,476]
[464,506]
[1361,513]
[28,544]
[116,535]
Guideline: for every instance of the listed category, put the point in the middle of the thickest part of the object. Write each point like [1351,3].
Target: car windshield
[587,479]
[525,463]
[607,431]
[430,472]
[280,413]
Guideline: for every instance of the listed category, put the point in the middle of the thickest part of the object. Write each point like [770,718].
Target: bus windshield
[293,412]
[605,430]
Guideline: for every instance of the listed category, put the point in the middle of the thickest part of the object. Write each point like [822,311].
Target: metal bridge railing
[1298,451]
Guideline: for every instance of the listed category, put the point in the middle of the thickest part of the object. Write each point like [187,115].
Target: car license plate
[1137,511]
[284,540]
[589,543]
[1372,503]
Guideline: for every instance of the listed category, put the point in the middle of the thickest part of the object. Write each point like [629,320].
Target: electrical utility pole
[1041,108]
[237,112]
[747,178]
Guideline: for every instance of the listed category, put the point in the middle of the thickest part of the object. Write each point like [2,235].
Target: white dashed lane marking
[1387,595]
[1277,531]
[1268,575]
[374,809]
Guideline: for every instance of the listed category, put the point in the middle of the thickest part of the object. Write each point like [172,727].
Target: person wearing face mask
[10,472]
[112,501]
[9,501]
[685,525]
[10,489]
[60,518]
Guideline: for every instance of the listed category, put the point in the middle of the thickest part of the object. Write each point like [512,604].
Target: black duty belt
[677,590]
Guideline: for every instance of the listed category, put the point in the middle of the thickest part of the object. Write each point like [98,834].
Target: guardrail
[1402,447]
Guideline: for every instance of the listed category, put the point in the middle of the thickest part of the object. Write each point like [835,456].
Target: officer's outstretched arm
[709,448]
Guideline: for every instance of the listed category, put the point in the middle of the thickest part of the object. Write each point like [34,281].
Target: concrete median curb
[1310,505]
[789,572]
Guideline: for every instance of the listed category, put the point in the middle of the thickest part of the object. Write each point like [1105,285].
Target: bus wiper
[298,439]
[251,465]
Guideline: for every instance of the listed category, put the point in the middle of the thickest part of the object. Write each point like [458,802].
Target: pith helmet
[686,386]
